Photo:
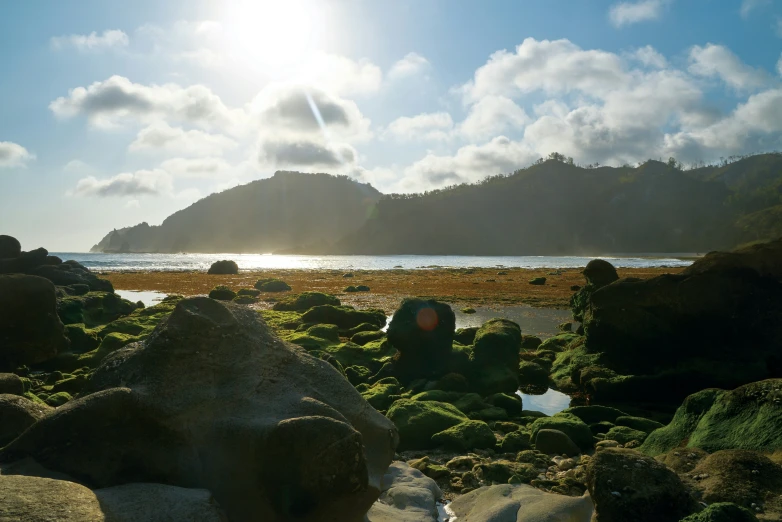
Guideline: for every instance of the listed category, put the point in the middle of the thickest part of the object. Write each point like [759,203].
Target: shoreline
[477,286]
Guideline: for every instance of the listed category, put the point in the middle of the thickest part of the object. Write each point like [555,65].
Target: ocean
[185,262]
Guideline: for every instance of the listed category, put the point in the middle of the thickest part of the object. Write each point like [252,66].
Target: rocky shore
[212,409]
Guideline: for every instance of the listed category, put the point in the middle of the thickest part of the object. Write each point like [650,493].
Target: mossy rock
[304,301]
[515,441]
[530,342]
[362,338]
[501,471]
[350,289]
[453,382]
[470,402]
[252,292]
[363,327]
[372,355]
[601,427]
[437,395]
[532,374]
[465,436]
[559,343]
[357,374]
[222,293]
[309,342]
[492,413]
[142,321]
[537,281]
[570,425]
[430,469]
[223,267]
[722,512]
[595,413]
[362,288]
[510,403]
[624,435]
[468,310]
[93,309]
[82,338]
[329,332]
[495,356]
[272,285]
[638,423]
[110,344]
[465,336]
[33,397]
[382,393]
[417,421]
[58,399]
[345,317]
[245,299]
[280,321]
[71,384]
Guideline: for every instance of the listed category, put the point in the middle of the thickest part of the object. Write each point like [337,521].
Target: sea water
[182,262]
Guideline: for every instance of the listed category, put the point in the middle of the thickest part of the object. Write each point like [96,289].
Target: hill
[286,212]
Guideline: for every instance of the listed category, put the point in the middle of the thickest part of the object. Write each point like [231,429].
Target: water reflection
[148,297]
[550,402]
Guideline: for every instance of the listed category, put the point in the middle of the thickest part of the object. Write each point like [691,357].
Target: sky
[114,113]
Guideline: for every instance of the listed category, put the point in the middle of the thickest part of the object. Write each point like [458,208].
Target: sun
[268,34]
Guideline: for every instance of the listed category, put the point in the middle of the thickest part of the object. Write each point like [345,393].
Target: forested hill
[555,207]
[286,212]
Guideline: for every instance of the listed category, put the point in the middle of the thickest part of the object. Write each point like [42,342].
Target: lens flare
[427,319]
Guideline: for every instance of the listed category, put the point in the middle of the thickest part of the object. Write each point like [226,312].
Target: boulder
[345,317]
[722,512]
[12,384]
[495,357]
[519,503]
[406,496]
[599,273]
[213,400]
[304,301]
[158,502]
[17,414]
[749,417]
[422,331]
[30,330]
[570,425]
[626,485]
[417,421]
[538,281]
[9,247]
[222,293]
[555,442]
[223,267]
[93,308]
[466,436]
[272,285]
[69,274]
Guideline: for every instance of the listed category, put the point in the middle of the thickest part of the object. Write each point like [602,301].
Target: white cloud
[493,115]
[14,155]
[747,6]
[118,101]
[429,126]
[412,64]
[718,61]
[338,75]
[212,168]
[627,13]
[113,38]
[139,183]
[649,56]
[132,203]
[161,137]
[304,153]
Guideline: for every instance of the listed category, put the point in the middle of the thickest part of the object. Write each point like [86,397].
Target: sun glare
[270,35]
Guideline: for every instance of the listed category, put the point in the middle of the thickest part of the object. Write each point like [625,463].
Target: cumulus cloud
[306,153]
[113,38]
[428,126]
[717,61]
[627,13]
[161,137]
[492,115]
[14,155]
[118,101]
[338,75]
[412,64]
[138,183]
[649,56]
[211,168]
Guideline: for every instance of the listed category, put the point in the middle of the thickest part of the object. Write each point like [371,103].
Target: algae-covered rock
[501,471]
[382,393]
[495,356]
[532,375]
[417,421]
[559,343]
[251,292]
[422,331]
[344,317]
[82,339]
[30,330]
[304,301]
[465,436]
[245,299]
[510,403]
[638,423]
[623,434]
[17,414]
[12,384]
[722,512]
[600,272]
[550,441]
[626,485]
[466,335]
[538,281]
[222,293]
[329,332]
[272,285]
[58,399]
[572,426]
[93,308]
[362,338]
[749,417]
[214,394]
[595,413]
[515,441]
[224,267]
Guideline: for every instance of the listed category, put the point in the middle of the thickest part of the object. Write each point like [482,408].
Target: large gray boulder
[213,400]
[37,499]
[519,503]
[408,496]
[30,330]
[17,414]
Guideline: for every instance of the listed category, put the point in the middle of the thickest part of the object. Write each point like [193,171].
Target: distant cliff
[286,212]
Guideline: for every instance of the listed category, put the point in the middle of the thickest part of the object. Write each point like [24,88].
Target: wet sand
[462,287]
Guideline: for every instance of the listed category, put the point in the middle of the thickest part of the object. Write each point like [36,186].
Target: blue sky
[113,113]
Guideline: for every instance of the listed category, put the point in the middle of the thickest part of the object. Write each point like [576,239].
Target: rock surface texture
[522,503]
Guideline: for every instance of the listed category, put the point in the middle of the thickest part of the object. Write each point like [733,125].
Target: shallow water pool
[549,403]
[148,297]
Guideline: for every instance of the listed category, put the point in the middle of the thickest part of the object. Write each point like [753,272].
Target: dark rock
[94,308]
[272,285]
[362,338]
[555,442]
[251,292]
[223,267]
[599,273]
[212,393]
[9,247]
[10,383]
[722,512]
[422,331]
[495,357]
[52,260]
[362,288]
[304,301]
[69,274]
[30,330]
[466,335]
[345,317]
[537,281]
[77,289]
[16,415]
[222,293]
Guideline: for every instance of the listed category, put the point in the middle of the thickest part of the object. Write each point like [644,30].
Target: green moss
[515,441]
[304,301]
[437,395]
[638,423]
[470,402]
[245,299]
[111,343]
[559,343]
[509,403]
[363,327]
[93,309]
[722,512]
[567,423]
[492,413]
[330,332]
[281,320]
[495,356]
[345,317]
[71,384]
[350,288]
[381,394]
[362,288]
[357,374]
[272,285]
[362,338]
[58,399]
[453,382]
[222,293]
[501,471]
[623,434]
[468,310]
[372,355]
[252,292]
[142,321]
[532,374]
[417,421]
[566,370]
[466,436]
[308,342]
[82,339]
[33,397]
[596,413]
